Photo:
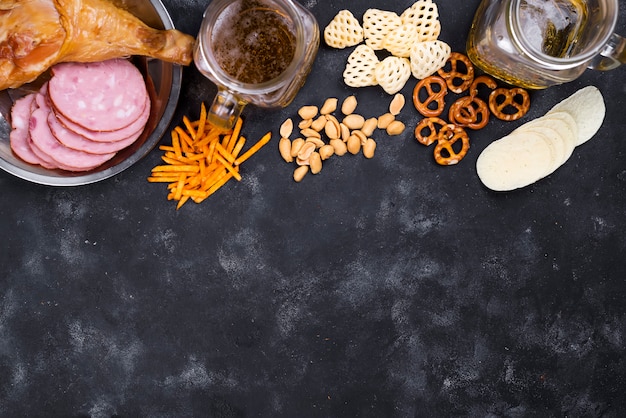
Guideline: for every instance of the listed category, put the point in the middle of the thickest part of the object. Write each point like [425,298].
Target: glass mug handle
[225,109]
[612,55]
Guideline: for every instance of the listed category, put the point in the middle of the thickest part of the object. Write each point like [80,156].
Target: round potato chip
[377,24]
[588,110]
[343,31]
[515,161]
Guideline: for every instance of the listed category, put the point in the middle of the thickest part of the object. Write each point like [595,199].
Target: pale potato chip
[392,73]
[377,24]
[343,31]
[360,69]
[428,57]
[424,15]
[400,40]
[588,110]
[515,161]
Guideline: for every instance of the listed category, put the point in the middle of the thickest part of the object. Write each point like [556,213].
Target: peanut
[300,172]
[284,146]
[315,162]
[369,126]
[329,106]
[310,133]
[317,141]
[368,148]
[327,151]
[331,130]
[385,120]
[354,144]
[345,132]
[395,128]
[339,146]
[354,121]
[349,105]
[319,123]
[296,144]
[305,152]
[307,112]
[397,103]
[306,123]
[286,128]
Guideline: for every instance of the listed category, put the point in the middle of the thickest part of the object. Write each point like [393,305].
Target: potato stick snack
[201,159]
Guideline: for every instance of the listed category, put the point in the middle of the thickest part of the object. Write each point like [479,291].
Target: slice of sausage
[100,96]
[19,137]
[134,129]
[67,158]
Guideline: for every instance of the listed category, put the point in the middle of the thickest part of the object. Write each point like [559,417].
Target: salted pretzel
[469,112]
[509,104]
[486,80]
[458,78]
[432,126]
[434,95]
[449,135]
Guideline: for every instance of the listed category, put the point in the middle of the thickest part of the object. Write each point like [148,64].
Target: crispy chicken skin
[36,34]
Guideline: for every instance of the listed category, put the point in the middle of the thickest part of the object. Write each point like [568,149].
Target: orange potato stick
[182,201]
[201,121]
[176,144]
[234,135]
[162,179]
[190,129]
[177,168]
[228,167]
[167,148]
[239,146]
[264,140]
[227,155]
[214,178]
[184,136]
[179,187]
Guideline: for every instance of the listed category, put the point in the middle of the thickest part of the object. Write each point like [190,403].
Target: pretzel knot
[436,89]
[460,77]
[489,82]
[427,130]
[470,112]
[509,104]
[446,149]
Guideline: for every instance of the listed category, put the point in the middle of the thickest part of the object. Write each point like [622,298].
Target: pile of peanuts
[322,135]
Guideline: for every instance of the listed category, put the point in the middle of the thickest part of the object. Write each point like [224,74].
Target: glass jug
[540,43]
[255,51]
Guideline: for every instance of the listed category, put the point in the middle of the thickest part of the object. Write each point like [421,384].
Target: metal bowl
[163,80]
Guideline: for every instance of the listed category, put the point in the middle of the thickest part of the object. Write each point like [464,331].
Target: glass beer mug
[255,51]
[540,43]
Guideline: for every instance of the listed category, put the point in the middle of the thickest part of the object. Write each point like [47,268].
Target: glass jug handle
[612,56]
[225,109]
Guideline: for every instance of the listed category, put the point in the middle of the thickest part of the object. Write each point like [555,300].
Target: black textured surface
[389,287]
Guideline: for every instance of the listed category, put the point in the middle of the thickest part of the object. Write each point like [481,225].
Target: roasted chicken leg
[36,34]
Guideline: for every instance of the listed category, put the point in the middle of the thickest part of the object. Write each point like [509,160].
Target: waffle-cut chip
[392,73]
[343,31]
[377,24]
[428,57]
[400,40]
[425,16]
[361,66]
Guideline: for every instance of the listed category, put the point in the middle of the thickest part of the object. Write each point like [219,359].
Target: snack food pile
[469,111]
[201,159]
[537,148]
[322,135]
[411,38]
[82,116]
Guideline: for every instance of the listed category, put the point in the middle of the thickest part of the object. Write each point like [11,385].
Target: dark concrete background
[390,287]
